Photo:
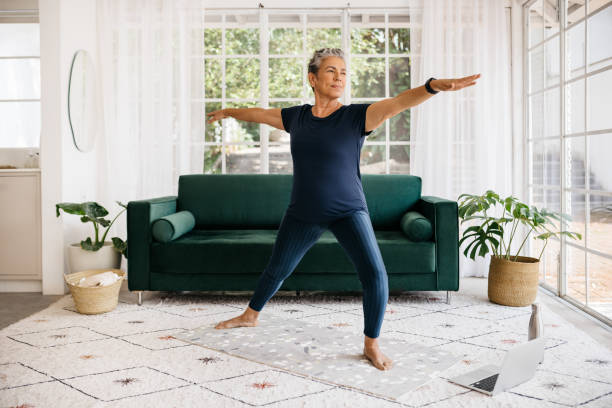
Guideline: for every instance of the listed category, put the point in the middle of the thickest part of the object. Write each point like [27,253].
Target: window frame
[23,16]
[564,244]
[345,24]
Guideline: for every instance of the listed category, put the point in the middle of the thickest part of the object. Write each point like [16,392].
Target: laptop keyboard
[486,384]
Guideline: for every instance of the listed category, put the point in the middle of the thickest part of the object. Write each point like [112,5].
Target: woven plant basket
[94,300]
[513,283]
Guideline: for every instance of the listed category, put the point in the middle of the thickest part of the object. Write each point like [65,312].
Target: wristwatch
[429,88]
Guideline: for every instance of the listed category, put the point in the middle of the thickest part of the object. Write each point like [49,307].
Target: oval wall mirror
[83,106]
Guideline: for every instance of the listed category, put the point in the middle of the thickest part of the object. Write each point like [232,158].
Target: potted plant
[513,279]
[99,253]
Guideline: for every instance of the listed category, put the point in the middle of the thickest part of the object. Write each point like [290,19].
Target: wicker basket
[513,283]
[94,300]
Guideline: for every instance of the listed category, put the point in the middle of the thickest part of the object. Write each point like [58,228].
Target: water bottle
[536,328]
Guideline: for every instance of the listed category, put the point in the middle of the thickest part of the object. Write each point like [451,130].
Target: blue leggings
[356,235]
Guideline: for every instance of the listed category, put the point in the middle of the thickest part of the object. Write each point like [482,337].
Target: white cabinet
[20,225]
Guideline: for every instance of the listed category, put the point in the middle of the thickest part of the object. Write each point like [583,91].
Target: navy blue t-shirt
[325,153]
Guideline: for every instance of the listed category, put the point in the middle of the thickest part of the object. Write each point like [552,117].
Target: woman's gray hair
[319,55]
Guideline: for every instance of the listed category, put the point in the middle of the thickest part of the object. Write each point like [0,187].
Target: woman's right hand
[217,115]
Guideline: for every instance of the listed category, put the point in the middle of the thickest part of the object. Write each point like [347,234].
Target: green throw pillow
[416,226]
[170,227]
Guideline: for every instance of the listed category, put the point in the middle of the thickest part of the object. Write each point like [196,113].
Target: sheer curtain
[150,64]
[150,57]
[462,140]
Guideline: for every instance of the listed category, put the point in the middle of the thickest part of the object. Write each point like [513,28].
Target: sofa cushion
[172,226]
[416,227]
[249,250]
[258,201]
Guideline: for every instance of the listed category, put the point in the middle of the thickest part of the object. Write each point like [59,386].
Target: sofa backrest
[389,196]
[228,201]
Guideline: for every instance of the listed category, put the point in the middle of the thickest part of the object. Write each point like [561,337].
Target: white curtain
[152,88]
[152,81]
[462,140]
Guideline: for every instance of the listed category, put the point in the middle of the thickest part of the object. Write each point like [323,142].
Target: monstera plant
[513,279]
[96,253]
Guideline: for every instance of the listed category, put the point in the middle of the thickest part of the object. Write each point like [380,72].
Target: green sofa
[236,220]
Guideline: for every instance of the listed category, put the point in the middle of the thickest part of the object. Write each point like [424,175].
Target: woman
[326,141]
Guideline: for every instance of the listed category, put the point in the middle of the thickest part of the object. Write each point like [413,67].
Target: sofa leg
[139,297]
[297,293]
[448,297]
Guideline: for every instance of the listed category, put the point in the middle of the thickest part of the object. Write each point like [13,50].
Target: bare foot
[377,358]
[239,321]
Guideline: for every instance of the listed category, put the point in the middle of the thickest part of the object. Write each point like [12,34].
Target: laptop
[519,365]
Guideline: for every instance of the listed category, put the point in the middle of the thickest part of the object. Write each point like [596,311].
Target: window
[259,59]
[569,137]
[20,84]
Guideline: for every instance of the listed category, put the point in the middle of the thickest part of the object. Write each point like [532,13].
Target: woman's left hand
[453,84]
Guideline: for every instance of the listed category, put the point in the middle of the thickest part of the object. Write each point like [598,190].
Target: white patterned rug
[130,357]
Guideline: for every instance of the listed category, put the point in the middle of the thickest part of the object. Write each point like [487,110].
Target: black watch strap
[429,88]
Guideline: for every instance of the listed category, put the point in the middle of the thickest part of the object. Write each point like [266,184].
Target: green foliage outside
[287,79]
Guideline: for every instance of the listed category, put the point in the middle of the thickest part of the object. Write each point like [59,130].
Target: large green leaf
[120,245]
[90,209]
[91,246]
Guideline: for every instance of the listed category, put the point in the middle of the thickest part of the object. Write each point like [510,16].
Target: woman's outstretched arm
[380,111]
[270,117]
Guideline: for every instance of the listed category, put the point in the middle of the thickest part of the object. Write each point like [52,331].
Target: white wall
[77,31]
[67,175]
[50,146]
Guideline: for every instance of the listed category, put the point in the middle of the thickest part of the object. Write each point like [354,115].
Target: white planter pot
[105,257]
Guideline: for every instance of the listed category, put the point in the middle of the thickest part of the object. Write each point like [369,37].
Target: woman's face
[331,78]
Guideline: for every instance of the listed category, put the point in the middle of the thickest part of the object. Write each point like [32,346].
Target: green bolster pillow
[416,226]
[172,226]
